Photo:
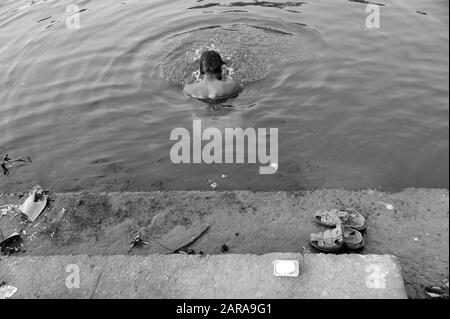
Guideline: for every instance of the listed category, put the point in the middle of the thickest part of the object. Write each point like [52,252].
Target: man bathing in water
[212,87]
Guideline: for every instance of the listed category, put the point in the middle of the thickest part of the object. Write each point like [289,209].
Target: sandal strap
[328,237]
[343,215]
[332,216]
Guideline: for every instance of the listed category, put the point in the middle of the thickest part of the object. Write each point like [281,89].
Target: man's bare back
[213,89]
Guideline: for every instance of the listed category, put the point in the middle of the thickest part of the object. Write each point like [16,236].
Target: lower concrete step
[209,276]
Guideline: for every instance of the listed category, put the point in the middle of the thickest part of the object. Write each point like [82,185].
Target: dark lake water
[354,107]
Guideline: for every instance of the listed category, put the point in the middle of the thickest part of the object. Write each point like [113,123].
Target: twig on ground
[191,242]
[96,285]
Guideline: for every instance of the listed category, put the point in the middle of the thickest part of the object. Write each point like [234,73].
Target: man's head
[211,63]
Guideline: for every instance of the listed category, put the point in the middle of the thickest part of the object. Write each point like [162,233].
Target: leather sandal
[337,239]
[348,217]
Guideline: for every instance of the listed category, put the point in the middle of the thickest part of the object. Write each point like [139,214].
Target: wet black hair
[211,63]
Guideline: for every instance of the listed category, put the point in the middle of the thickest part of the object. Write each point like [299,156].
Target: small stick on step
[191,242]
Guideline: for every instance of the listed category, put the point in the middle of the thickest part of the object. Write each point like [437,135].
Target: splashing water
[249,50]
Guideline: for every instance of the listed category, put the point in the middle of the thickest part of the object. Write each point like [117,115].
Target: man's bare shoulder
[232,87]
[196,90]
[214,90]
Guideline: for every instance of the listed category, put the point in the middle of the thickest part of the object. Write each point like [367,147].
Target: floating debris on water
[9,163]
[43,19]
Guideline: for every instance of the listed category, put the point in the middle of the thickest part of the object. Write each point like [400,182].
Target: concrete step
[209,276]
[412,225]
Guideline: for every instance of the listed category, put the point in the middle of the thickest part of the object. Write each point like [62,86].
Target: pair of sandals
[348,225]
